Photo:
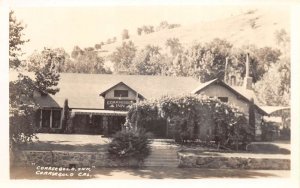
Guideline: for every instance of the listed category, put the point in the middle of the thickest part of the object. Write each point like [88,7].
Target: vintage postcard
[152,91]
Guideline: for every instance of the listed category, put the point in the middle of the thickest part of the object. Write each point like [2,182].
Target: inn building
[98,103]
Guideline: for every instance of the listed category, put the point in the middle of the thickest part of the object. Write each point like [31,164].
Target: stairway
[162,154]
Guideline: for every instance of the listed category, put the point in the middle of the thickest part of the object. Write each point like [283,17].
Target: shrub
[130,144]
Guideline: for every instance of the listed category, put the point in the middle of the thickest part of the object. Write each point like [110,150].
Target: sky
[85,26]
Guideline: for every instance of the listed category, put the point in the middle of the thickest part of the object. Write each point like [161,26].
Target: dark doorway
[157,127]
[115,124]
[88,124]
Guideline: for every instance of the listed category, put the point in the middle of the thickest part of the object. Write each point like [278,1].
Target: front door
[115,124]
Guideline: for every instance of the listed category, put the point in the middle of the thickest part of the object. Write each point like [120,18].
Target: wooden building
[98,102]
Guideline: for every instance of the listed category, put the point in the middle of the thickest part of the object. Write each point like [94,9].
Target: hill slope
[254,27]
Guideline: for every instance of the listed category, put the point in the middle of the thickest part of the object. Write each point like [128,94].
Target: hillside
[255,27]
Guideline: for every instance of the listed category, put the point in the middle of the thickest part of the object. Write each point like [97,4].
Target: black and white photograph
[150,91]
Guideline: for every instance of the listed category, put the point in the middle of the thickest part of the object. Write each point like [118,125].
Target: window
[46,114]
[51,118]
[56,115]
[233,80]
[223,99]
[120,93]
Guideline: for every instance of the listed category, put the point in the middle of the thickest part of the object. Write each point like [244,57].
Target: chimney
[247,78]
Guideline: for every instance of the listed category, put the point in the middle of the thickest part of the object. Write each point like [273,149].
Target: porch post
[105,125]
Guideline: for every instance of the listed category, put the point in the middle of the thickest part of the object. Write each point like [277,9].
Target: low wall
[67,158]
[226,162]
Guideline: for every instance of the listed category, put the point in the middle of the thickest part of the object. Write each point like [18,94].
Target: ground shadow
[62,146]
[183,173]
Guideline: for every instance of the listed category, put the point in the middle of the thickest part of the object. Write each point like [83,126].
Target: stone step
[163,154]
[163,151]
[161,164]
[157,159]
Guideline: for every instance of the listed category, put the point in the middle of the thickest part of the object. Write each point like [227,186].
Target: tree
[22,107]
[148,61]
[21,111]
[16,40]
[98,46]
[45,65]
[174,45]
[139,31]
[85,61]
[125,34]
[162,25]
[122,57]
[76,52]
[21,104]
[274,88]
[260,60]
[202,61]
[148,29]
[66,117]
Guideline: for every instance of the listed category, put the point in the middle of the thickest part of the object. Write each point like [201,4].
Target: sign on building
[115,104]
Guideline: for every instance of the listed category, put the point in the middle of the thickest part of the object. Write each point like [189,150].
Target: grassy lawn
[68,142]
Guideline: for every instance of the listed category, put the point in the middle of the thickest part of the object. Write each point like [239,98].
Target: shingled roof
[82,90]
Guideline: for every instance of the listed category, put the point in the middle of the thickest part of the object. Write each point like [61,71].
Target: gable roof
[121,83]
[242,93]
[82,90]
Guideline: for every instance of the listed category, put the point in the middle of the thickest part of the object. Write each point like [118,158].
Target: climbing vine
[230,125]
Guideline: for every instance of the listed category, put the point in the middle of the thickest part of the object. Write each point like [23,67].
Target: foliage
[148,29]
[274,88]
[202,61]
[22,108]
[260,60]
[16,40]
[21,111]
[148,61]
[139,31]
[98,46]
[123,56]
[125,34]
[267,131]
[66,116]
[129,144]
[86,61]
[45,65]
[188,111]
[165,25]
[174,45]
[285,133]
[21,104]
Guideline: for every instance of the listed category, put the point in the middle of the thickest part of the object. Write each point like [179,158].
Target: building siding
[131,94]
[216,90]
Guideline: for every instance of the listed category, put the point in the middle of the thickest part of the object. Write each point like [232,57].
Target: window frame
[222,99]
[51,118]
[121,90]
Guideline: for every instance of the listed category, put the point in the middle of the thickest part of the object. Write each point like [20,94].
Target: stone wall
[67,158]
[225,162]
